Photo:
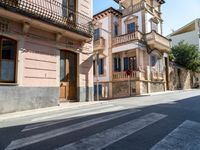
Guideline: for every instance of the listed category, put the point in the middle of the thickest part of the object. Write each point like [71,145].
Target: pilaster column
[148,74]
[110,62]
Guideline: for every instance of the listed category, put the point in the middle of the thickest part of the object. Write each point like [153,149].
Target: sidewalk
[63,106]
[168,92]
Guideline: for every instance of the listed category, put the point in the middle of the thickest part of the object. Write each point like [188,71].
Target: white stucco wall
[103,33]
[139,14]
[148,23]
[85,7]
[189,37]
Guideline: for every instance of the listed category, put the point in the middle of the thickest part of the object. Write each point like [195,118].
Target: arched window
[7,59]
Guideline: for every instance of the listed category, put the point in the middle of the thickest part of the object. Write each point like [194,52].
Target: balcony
[122,76]
[158,76]
[99,44]
[51,12]
[155,40]
[135,75]
[126,38]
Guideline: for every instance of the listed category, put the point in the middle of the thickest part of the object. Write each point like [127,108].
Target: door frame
[77,76]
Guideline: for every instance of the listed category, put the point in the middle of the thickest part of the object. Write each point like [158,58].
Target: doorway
[68,76]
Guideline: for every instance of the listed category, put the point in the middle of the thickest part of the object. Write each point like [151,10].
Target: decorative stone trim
[4,26]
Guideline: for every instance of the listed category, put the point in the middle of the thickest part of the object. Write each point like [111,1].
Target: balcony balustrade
[159,76]
[135,75]
[52,12]
[99,44]
[126,38]
[157,41]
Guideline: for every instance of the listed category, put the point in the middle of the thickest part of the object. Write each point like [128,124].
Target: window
[7,59]
[154,26]
[116,30]
[69,9]
[117,64]
[153,60]
[101,66]
[131,27]
[96,34]
[126,64]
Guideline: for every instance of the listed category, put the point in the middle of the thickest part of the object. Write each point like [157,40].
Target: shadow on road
[177,112]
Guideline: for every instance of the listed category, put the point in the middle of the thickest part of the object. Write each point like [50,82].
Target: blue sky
[176,13]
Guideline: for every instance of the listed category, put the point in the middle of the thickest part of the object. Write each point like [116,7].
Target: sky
[175,13]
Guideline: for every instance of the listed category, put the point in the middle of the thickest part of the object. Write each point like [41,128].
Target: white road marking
[19,143]
[59,114]
[184,137]
[101,140]
[72,116]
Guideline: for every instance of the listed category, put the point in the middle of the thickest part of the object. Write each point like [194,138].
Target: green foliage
[187,55]
[171,56]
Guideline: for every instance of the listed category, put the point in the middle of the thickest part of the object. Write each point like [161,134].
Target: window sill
[8,84]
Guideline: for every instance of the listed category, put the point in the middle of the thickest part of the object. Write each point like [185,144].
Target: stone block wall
[122,89]
[157,87]
[181,78]
[144,89]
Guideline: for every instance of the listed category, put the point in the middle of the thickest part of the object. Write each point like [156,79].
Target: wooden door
[68,76]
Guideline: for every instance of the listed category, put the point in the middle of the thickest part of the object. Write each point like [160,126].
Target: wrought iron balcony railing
[53,12]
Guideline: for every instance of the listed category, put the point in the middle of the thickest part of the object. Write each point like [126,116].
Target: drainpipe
[97,73]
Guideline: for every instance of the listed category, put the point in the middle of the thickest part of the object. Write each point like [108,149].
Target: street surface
[159,122]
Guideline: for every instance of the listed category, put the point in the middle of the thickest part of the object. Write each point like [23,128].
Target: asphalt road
[159,122]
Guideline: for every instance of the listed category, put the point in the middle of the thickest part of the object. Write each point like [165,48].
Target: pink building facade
[46,53]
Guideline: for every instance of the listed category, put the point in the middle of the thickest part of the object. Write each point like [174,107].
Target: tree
[187,55]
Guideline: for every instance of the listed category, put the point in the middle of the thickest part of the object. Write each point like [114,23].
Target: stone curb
[63,106]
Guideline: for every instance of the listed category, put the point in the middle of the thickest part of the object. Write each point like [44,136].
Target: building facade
[45,53]
[132,54]
[189,33]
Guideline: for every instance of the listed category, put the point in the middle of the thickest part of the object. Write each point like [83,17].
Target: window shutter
[125,63]
[102,66]
[119,65]
[95,89]
[115,64]
[100,90]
